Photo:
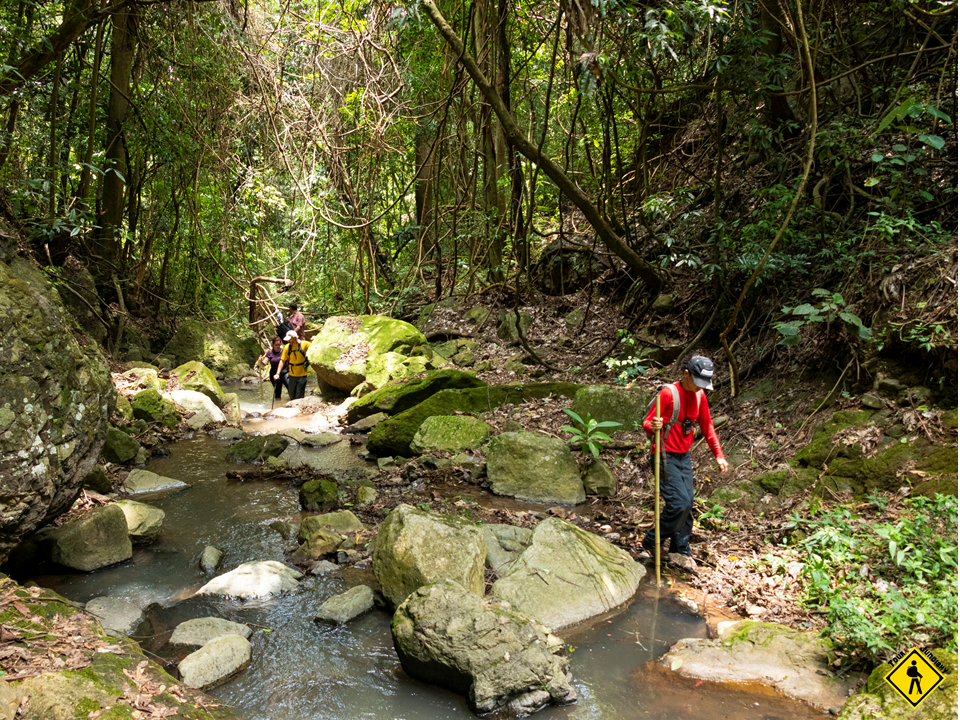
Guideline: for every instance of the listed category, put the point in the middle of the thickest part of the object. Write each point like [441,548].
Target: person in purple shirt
[272,356]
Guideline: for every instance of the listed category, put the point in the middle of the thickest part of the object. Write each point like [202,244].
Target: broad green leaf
[567,428]
[899,148]
[609,423]
[877,157]
[870,182]
[576,417]
[865,332]
[805,309]
[850,318]
[939,114]
[934,141]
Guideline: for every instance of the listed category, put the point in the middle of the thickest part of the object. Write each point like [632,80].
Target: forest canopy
[203,158]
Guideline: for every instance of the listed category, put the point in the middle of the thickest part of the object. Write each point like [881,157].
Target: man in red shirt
[676,472]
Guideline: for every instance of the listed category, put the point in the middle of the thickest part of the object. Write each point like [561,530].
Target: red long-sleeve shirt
[675,440]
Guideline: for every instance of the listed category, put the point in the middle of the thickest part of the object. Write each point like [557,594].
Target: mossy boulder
[124,408]
[485,650]
[199,378]
[604,403]
[56,399]
[322,541]
[772,482]
[416,548]
[144,522]
[350,350]
[214,344]
[535,467]
[743,493]
[450,433]
[98,481]
[598,479]
[258,448]
[119,447]
[400,395]
[568,575]
[146,376]
[508,322]
[342,522]
[824,446]
[231,408]
[319,495]
[98,539]
[149,405]
[393,436]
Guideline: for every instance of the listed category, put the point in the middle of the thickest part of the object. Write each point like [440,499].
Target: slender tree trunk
[647,272]
[24,17]
[122,46]
[53,154]
[425,158]
[83,188]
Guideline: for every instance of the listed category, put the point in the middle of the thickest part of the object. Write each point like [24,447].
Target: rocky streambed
[300,667]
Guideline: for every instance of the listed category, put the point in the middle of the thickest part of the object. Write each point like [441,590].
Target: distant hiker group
[287,356]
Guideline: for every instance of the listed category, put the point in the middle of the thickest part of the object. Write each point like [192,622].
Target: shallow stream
[307,671]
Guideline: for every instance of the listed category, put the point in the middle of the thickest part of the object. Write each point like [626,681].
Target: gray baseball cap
[701,371]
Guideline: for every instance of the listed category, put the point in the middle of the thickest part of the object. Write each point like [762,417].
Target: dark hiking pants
[297,386]
[278,385]
[676,489]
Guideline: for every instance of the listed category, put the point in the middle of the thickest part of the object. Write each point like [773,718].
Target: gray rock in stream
[144,522]
[98,539]
[568,575]
[215,662]
[117,616]
[346,606]
[144,481]
[211,559]
[201,631]
[481,648]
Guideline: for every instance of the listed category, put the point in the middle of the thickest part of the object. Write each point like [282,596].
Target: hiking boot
[684,562]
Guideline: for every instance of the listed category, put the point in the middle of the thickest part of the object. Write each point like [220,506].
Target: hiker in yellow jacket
[294,358]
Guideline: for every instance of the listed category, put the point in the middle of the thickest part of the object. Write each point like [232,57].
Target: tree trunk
[83,188]
[426,169]
[122,46]
[647,272]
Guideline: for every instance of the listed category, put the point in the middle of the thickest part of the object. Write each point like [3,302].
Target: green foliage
[629,365]
[588,432]
[883,584]
[831,308]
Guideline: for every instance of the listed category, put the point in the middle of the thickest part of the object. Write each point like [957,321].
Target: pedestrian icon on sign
[915,678]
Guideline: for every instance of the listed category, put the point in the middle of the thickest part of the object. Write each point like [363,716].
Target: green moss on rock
[149,405]
[394,435]
[319,495]
[400,395]
[198,377]
[119,447]
[449,433]
[822,447]
[258,448]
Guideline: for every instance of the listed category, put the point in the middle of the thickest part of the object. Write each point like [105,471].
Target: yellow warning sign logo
[914,676]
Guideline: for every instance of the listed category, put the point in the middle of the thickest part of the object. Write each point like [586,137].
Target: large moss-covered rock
[321,494]
[880,701]
[351,350]
[55,401]
[198,377]
[119,447]
[824,446]
[494,655]
[214,344]
[416,548]
[96,669]
[533,466]
[605,403]
[400,395]
[258,448]
[149,405]
[342,522]
[394,435]
[98,539]
[450,433]
[568,575]
[507,328]
[796,663]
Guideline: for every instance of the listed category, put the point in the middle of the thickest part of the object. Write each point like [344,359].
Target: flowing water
[302,670]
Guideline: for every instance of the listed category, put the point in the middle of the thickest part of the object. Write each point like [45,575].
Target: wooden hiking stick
[656,497]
